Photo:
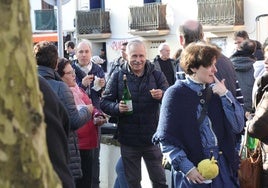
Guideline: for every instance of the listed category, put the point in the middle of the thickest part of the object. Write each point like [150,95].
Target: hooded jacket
[243,66]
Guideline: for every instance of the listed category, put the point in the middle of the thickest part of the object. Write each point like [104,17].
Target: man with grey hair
[135,130]
[164,63]
[90,71]
[86,74]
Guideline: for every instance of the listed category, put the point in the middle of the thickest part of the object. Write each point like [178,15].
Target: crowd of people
[186,119]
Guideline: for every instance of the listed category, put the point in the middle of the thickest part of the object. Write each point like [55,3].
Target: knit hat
[97,60]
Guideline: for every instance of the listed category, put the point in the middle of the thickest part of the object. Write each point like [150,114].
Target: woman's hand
[90,108]
[99,120]
[195,177]
[219,87]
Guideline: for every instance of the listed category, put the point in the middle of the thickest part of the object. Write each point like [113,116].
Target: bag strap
[244,144]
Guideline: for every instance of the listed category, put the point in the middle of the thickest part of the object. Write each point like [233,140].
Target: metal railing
[93,22]
[151,16]
[45,19]
[221,12]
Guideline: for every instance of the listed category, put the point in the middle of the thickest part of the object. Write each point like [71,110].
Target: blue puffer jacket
[77,118]
[137,129]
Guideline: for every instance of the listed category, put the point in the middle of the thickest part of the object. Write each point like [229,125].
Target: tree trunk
[24,160]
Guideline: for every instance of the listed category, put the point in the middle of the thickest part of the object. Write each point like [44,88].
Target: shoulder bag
[249,172]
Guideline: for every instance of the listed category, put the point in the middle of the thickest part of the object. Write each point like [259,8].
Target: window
[151,1]
[97,4]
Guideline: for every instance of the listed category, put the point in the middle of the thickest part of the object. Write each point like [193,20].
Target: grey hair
[161,46]
[135,42]
[85,41]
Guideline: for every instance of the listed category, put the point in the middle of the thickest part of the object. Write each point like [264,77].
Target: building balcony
[93,24]
[221,15]
[148,20]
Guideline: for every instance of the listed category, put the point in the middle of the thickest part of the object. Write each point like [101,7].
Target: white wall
[68,16]
[252,9]
[177,12]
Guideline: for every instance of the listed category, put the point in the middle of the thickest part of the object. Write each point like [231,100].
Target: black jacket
[136,129]
[57,130]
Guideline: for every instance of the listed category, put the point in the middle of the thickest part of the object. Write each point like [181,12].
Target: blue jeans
[120,181]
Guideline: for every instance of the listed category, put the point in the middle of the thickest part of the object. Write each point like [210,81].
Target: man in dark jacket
[164,63]
[88,76]
[89,71]
[242,35]
[135,131]
[57,130]
[118,61]
[243,60]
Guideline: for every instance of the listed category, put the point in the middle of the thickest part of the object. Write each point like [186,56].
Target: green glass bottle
[251,143]
[127,96]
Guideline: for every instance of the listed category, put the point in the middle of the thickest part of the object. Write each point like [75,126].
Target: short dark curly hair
[196,55]
[62,63]
[69,44]
[46,54]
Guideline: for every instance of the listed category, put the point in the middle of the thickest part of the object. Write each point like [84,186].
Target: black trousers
[87,157]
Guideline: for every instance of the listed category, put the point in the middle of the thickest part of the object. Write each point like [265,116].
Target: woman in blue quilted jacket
[46,55]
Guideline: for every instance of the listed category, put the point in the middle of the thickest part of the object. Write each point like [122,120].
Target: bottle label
[129,105]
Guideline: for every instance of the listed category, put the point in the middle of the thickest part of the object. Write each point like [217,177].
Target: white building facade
[176,13]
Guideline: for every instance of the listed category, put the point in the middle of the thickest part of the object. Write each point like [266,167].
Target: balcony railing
[221,12]
[45,19]
[151,16]
[95,21]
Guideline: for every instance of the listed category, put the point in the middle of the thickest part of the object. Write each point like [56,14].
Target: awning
[52,37]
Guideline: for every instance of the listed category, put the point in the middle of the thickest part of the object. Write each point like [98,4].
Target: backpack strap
[157,76]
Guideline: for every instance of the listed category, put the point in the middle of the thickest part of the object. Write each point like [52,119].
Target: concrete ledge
[109,140]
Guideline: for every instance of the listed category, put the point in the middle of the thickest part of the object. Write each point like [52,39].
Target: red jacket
[88,133]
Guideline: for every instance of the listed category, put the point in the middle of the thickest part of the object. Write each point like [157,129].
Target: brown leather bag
[249,172]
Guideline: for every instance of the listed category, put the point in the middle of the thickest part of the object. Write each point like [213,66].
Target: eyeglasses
[72,72]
